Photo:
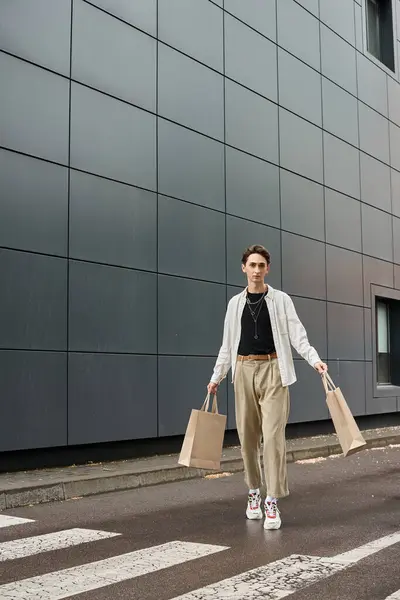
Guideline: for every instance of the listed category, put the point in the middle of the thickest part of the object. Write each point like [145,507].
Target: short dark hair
[256,249]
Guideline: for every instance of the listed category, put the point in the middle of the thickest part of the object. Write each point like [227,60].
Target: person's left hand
[321,367]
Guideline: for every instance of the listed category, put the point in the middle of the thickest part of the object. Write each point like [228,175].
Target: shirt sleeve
[298,335]
[223,362]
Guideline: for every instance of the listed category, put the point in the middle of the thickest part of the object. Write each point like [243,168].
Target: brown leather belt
[257,357]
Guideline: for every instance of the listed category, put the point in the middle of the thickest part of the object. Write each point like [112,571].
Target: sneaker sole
[254,517]
[272,525]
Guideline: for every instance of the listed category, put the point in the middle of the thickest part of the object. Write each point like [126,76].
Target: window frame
[381,390]
[394,74]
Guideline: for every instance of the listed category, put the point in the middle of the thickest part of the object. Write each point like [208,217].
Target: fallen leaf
[217,475]
[310,460]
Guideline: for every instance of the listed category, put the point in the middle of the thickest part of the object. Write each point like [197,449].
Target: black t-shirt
[265,342]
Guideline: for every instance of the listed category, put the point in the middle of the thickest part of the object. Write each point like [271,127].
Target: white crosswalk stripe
[273,581]
[285,577]
[371,548]
[95,575]
[50,541]
[6,521]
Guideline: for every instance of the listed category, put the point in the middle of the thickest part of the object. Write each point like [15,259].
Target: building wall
[143,145]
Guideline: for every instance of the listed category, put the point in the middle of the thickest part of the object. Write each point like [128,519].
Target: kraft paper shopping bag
[202,445]
[350,437]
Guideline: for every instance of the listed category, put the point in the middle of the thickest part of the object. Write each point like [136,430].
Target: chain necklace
[256,302]
[255,312]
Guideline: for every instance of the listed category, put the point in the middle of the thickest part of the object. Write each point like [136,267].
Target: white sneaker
[254,503]
[272,516]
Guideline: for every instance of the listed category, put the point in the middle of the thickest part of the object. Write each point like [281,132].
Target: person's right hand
[212,388]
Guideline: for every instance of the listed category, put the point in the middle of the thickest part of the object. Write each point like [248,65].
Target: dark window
[387,341]
[380,41]
[383,341]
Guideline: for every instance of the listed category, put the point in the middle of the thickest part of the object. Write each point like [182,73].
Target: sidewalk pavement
[67,483]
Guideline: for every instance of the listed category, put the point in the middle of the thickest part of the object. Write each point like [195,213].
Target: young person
[261,324]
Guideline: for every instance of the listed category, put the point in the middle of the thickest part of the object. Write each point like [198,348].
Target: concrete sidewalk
[49,485]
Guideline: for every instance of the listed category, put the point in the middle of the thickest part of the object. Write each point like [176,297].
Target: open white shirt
[287,330]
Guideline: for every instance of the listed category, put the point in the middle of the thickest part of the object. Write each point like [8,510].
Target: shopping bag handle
[327,382]
[206,403]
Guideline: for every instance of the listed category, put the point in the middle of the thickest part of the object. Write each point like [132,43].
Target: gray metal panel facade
[143,145]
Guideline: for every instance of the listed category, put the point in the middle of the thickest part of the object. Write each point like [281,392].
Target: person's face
[256,268]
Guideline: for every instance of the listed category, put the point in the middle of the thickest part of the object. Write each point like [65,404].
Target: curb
[93,485]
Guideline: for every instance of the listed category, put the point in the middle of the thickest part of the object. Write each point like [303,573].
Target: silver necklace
[255,313]
[256,302]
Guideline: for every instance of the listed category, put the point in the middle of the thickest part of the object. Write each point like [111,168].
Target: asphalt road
[192,540]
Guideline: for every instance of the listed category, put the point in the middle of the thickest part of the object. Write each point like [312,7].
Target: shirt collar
[270,293]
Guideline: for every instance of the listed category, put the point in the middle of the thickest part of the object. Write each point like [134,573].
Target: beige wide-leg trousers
[262,410]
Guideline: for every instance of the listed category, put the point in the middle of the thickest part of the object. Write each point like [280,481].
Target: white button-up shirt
[287,330]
